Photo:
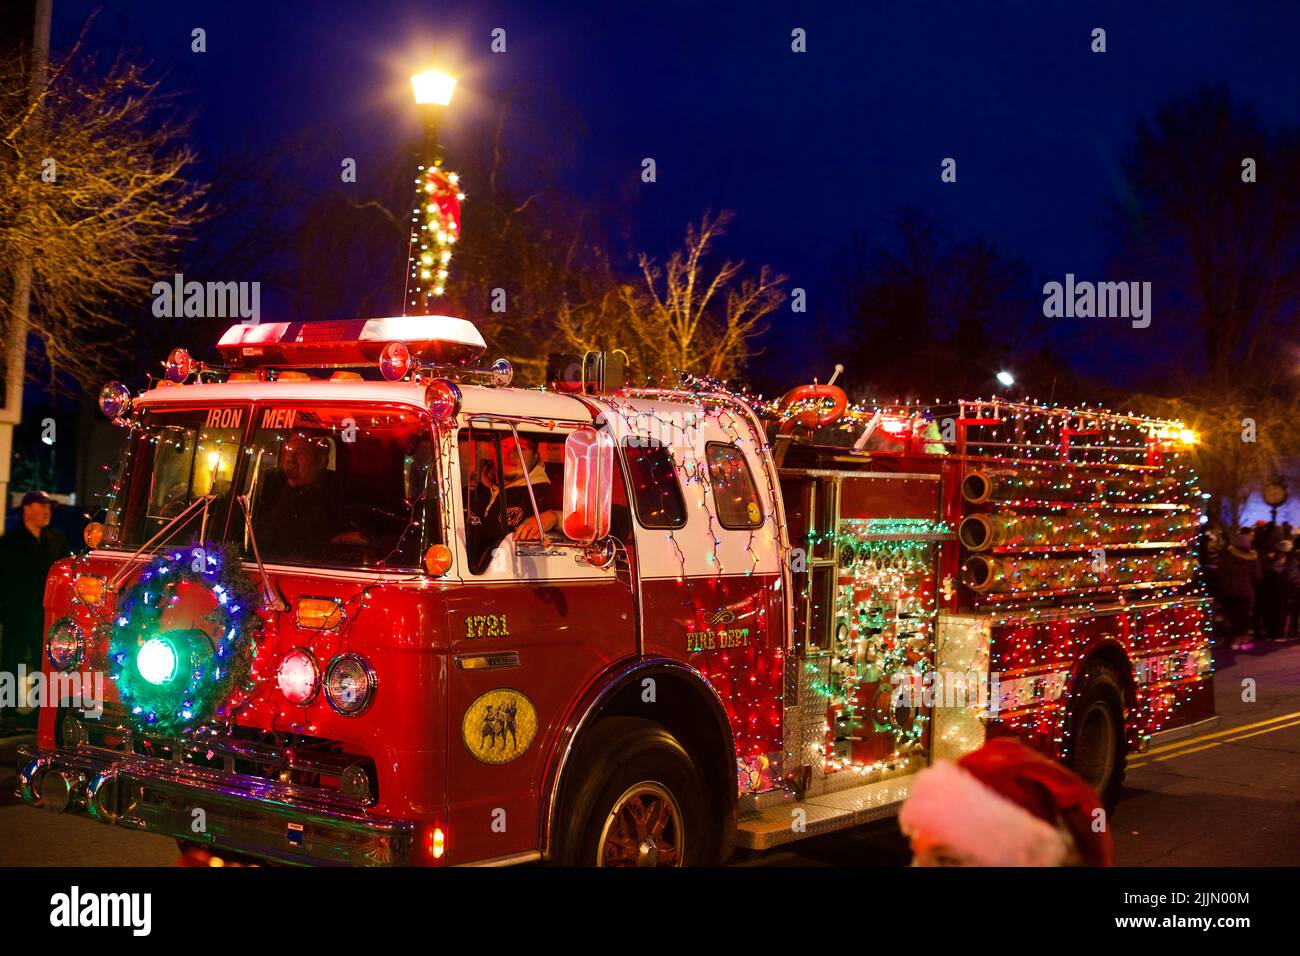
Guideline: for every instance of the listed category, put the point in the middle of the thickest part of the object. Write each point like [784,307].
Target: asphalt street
[1227,797]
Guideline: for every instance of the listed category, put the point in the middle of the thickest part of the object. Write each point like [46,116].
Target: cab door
[527,635]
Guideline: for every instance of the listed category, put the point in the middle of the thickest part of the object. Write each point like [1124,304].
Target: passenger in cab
[496,510]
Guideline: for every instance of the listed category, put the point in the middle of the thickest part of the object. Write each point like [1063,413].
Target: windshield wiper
[269,594]
[175,524]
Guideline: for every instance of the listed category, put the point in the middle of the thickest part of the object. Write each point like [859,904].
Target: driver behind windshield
[300,508]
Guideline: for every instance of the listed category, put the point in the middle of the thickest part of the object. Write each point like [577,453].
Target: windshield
[338,485]
[173,460]
[331,485]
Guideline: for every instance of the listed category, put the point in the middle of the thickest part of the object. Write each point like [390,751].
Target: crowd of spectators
[1255,578]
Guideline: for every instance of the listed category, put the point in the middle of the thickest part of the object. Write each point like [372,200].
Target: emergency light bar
[438,339]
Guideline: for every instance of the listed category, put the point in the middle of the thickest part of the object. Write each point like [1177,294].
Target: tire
[636,799]
[1098,743]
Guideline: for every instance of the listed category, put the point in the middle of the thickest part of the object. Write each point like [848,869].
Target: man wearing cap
[26,554]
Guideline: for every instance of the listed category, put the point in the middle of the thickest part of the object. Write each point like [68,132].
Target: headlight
[349,685]
[297,676]
[157,661]
[66,644]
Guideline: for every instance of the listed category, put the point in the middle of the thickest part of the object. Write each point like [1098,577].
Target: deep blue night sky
[806,148]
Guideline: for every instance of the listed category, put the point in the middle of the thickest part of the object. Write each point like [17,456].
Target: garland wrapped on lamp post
[173,680]
[435,216]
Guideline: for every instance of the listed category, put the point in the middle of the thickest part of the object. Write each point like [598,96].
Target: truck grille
[319,766]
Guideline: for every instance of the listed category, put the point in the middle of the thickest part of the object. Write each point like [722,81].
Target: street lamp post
[435,213]
[433,95]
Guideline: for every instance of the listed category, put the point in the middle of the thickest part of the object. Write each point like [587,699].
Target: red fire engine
[436,619]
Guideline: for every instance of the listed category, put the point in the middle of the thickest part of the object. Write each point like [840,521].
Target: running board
[826,813]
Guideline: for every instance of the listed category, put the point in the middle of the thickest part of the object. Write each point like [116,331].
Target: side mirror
[588,484]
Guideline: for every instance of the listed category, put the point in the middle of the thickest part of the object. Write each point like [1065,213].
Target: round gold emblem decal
[499,726]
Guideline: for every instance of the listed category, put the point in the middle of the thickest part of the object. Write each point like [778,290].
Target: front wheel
[637,801]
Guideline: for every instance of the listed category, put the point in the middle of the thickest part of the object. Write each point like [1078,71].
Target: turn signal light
[88,588]
[437,560]
[93,534]
[319,614]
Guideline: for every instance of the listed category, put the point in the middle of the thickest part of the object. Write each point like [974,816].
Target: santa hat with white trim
[1005,805]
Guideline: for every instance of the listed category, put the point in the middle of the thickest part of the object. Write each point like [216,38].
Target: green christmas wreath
[171,681]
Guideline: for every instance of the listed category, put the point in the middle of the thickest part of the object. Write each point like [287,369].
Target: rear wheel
[1098,749]
[636,800]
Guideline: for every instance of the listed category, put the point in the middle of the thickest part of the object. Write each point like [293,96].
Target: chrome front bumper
[239,814]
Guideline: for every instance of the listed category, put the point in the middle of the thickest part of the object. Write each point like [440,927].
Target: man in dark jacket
[26,554]
[1239,575]
[299,512]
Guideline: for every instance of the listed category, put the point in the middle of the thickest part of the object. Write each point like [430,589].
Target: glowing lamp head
[157,661]
[114,399]
[298,677]
[179,365]
[442,398]
[1006,379]
[1187,436]
[433,88]
[395,361]
[895,426]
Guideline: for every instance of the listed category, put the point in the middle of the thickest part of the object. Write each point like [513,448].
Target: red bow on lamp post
[435,213]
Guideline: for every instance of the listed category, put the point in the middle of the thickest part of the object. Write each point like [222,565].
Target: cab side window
[497,502]
[656,491]
[734,496]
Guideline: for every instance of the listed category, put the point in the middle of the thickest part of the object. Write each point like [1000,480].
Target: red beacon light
[179,366]
[114,400]
[443,399]
[395,361]
[435,339]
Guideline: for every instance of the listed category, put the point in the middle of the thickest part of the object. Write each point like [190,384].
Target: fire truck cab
[592,623]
